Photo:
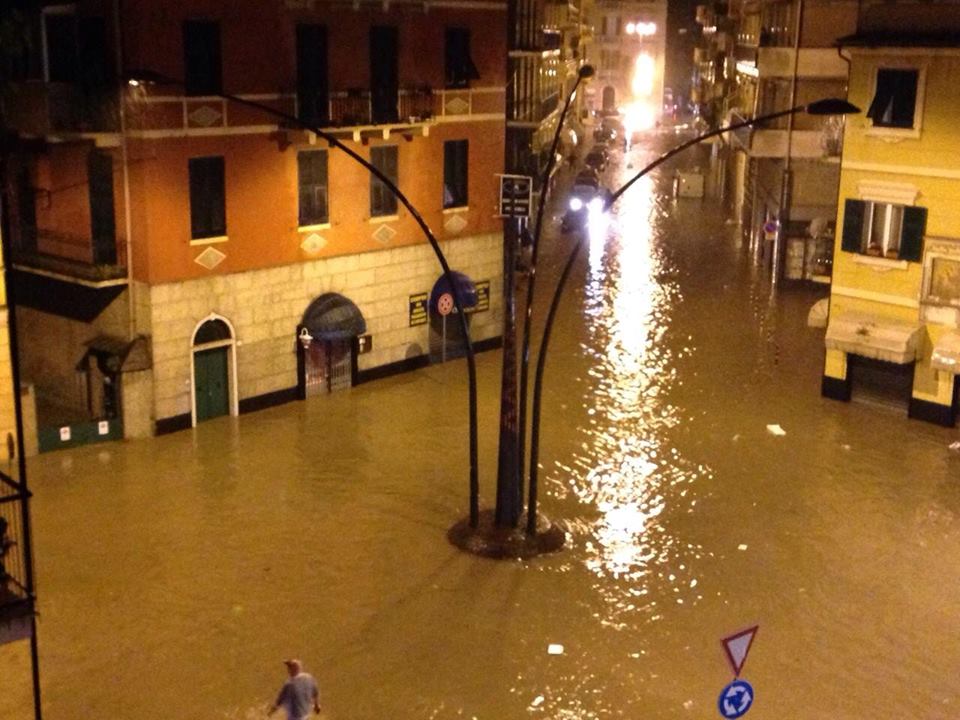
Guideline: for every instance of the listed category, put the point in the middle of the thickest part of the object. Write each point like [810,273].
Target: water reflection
[628,473]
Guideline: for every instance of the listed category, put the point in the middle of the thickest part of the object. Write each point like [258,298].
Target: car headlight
[596,205]
[576,204]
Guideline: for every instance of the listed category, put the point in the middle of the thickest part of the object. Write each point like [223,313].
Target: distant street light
[828,106]
[136,78]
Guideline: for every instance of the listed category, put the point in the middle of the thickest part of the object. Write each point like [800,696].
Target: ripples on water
[627,473]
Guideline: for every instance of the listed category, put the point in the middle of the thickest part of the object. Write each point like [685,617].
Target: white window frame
[894,134]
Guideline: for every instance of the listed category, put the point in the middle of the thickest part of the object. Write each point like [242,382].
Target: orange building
[179,255]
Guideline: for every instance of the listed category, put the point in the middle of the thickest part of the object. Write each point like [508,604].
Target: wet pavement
[176,573]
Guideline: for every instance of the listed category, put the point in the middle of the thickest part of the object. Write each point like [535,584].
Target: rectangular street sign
[418,309]
[515,195]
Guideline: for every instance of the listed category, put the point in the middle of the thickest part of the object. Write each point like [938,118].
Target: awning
[817,316]
[946,352]
[874,337]
[115,354]
[333,317]
[465,287]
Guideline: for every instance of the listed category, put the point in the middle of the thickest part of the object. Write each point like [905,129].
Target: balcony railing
[345,109]
[50,108]
[15,598]
[72,256]
[773,140]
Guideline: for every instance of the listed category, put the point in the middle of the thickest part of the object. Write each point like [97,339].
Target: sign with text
[483,297]
[515,195]
[418,309]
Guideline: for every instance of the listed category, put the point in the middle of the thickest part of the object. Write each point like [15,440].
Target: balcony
[810,62]
[71,258]
[349,111]
[38,108]
[761,142]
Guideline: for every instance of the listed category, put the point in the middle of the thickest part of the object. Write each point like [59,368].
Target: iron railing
[15,596]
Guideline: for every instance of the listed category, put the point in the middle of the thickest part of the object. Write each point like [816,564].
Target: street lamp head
[586,72]
[831,106]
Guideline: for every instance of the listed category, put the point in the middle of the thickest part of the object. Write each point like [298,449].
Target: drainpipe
[125,160]
[786,180]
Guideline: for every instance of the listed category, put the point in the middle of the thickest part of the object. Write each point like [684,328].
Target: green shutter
[911,241]
[853,211]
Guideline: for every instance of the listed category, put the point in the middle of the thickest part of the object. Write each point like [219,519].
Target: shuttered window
[312,183]
[883,229]
[382,199]
[208,216]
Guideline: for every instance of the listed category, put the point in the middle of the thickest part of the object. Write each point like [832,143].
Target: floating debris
[554,649]
[775,429]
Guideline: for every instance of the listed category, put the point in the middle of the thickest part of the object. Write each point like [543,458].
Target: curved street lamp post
[150,77]
[827,106]
[585,73]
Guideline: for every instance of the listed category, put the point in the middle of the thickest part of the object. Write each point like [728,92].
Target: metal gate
[327,366]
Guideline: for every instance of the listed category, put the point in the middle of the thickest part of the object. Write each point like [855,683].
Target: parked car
[588,177]
[596,159]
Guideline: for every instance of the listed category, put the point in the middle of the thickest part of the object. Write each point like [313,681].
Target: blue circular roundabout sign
[735,699]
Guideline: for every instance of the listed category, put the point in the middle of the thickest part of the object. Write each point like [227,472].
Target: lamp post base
[488,540]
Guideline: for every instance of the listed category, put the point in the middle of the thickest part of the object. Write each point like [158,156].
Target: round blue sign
[735,699]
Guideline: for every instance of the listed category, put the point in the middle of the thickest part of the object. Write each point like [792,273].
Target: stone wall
[265,306]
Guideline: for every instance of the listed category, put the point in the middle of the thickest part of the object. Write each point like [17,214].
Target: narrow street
[174,574]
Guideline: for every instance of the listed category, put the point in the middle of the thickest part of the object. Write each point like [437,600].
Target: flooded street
[174,574]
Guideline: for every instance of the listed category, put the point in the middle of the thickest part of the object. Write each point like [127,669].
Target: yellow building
[895,298]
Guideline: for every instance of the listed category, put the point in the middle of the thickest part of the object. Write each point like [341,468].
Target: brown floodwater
[175,573]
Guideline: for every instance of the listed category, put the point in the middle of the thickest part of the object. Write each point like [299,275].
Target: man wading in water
[297,693]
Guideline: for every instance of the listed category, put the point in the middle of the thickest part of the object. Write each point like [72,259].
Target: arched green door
[210,381]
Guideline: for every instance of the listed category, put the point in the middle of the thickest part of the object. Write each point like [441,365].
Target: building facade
[894,308]
[780,178]
[190,256]
[630,49]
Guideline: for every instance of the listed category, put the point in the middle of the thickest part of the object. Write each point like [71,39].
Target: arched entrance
[327,345]
[213,371]
[609,99]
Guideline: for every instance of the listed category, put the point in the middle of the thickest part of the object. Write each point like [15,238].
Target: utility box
[688,184]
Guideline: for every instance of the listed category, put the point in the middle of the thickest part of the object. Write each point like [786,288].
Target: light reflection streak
[626,473]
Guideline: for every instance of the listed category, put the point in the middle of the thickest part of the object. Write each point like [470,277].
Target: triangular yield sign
[737,646]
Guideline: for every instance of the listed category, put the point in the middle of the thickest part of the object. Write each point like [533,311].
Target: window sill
[457,209]
[383,218]
[209,241]
[879,263]
[313,228]
[890,134]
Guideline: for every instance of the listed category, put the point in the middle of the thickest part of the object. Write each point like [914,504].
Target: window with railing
[201,57]
[459,69]
[312,74]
